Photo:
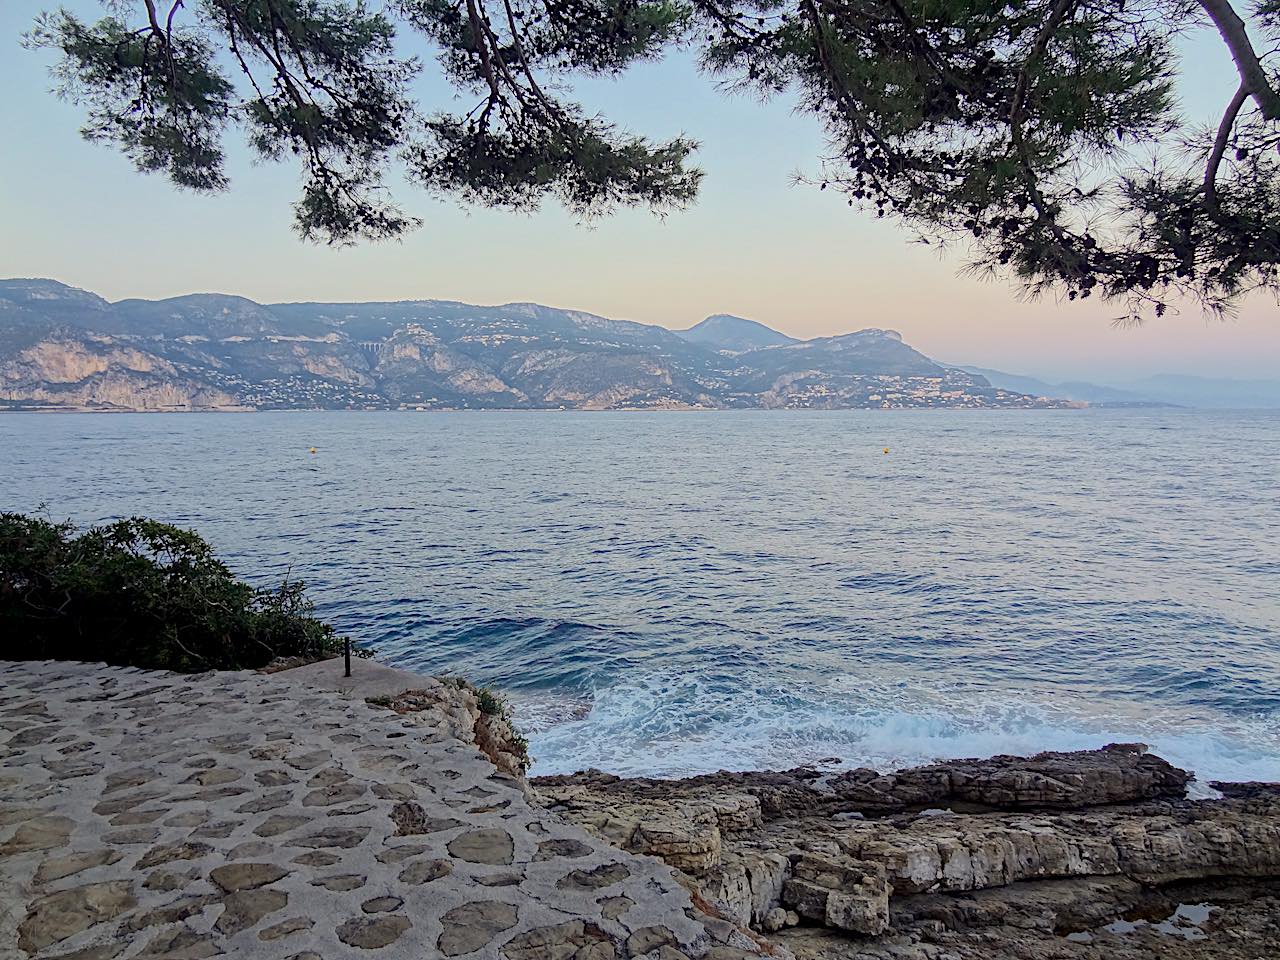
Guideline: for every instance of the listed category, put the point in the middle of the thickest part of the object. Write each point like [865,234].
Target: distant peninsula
[62,348]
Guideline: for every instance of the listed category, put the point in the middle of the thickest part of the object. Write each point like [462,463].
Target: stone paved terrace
[147,815]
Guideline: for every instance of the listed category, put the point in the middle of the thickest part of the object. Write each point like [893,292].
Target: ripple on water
[671,594]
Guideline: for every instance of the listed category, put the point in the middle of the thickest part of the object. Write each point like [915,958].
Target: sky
[754,244]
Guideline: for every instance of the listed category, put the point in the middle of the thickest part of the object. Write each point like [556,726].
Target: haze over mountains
[1166,389]
[66,348]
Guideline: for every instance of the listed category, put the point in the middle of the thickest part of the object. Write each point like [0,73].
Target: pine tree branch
[1220,146]
[1252,74]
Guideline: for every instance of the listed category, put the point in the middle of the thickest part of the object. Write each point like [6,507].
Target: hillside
[64,348]
[732,334]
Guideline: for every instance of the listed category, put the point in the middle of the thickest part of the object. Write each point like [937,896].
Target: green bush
[145,594]
[490,703]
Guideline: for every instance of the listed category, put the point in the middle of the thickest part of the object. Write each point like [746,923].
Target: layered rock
[1054,841]
[1118,773]
[97,373]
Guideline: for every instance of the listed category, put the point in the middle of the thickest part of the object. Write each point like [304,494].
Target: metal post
[346,652]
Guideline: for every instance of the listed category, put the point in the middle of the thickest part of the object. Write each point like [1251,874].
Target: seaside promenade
[149,815]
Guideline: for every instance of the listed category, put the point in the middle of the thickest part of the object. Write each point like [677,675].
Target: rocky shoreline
[1085,854]
[303,816]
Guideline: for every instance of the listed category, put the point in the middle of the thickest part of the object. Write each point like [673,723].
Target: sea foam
[673,726]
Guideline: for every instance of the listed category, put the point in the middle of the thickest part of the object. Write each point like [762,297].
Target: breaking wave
[672,726]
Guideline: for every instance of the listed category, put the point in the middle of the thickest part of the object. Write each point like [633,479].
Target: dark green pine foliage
[144,594]
[1044,137]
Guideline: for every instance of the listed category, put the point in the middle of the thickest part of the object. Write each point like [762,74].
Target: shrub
[490,703]
[146,594]
[495,706]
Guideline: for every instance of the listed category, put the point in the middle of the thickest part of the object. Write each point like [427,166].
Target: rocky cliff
[70,370]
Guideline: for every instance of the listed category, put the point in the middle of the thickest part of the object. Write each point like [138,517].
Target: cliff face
[65,347]
[68,371]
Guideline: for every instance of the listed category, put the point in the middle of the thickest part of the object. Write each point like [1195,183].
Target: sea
[670,593]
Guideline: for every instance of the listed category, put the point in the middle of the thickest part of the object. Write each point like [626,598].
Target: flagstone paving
[149,815]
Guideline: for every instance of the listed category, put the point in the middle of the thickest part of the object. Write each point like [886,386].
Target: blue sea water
[674,593]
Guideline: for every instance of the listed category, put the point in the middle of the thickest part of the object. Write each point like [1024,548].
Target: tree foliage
[1044,135]
[144,594]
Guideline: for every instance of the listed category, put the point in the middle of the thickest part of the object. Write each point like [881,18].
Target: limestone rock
[411,819]
[341,883]
[614,907]
[53,918]
[180,943]
[316,858]
[401,853]
[605,875]
[574,940]
[168,880]
[214,777]
[687,840]
[252,850]
[191,818]
[277,824]
[170,852]
[340,837]
[286,928]
[272,800]
[747,884]
[101,951]
[648,939]
[1120,773]
[394,791]
[179,910]
[1107,821]
[131,835]
[309,760]
[246,876]
[244,908]
[334,794]
[863,908]
[492,846]
[561,849]
[41,833]
[1152,846]
[473,925]
[55,868]
[328,777]
[372,933]
[425,871]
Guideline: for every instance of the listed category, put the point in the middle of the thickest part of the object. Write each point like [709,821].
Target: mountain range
[66,348]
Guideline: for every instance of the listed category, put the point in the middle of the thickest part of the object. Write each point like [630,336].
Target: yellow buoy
[886,450]
[313,450]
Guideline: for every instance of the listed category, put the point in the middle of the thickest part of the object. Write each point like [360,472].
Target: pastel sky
[754,244]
